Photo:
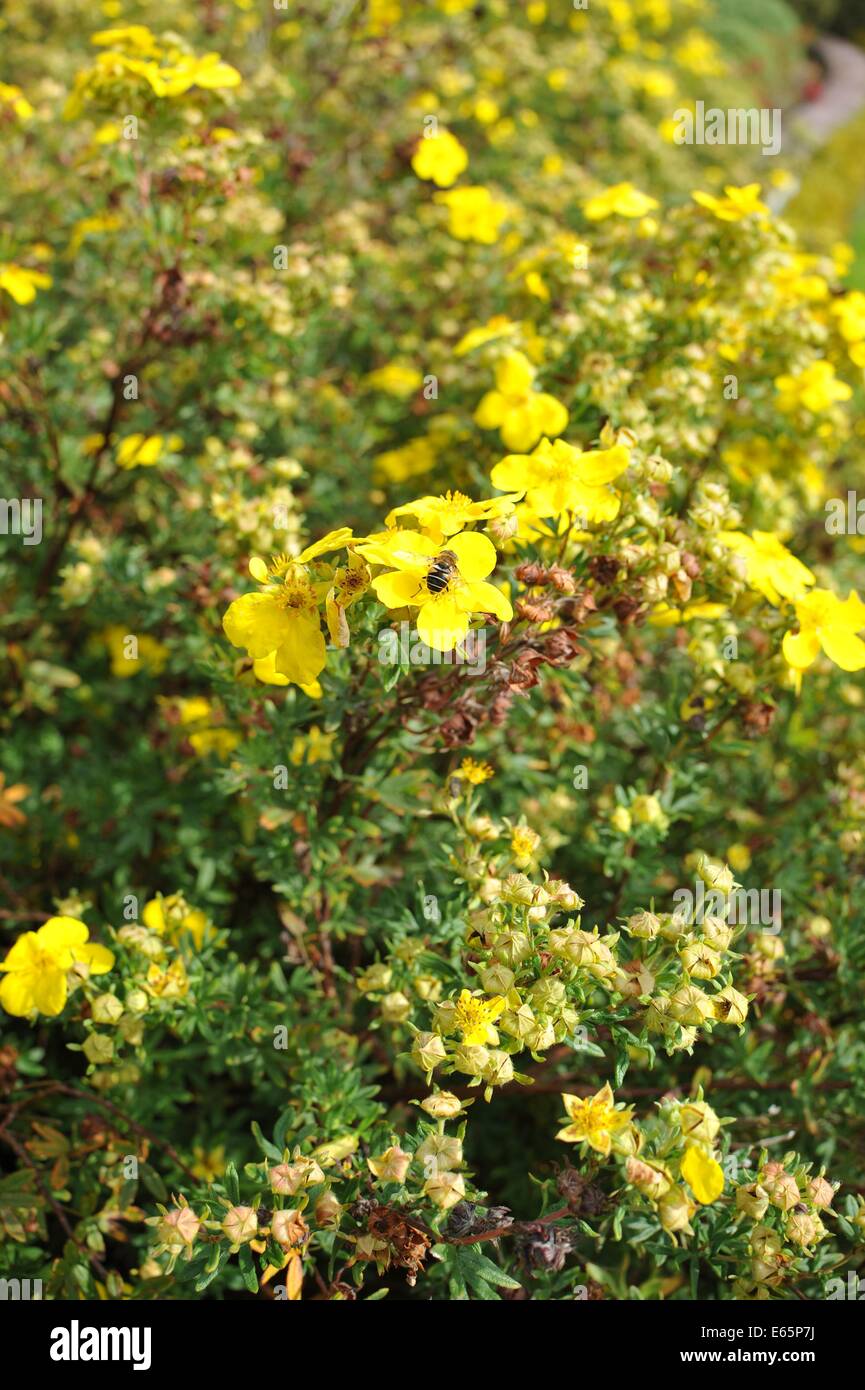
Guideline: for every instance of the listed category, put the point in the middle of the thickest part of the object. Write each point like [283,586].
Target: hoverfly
[442,570]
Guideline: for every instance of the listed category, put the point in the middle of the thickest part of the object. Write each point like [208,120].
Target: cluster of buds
[785,1203]
[686,950]
[680,1170]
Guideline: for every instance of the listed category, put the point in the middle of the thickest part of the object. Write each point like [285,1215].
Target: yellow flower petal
[703,1174]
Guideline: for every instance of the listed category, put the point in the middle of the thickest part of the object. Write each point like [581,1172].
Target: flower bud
[327,1210]
[672,926]
[445,1189]
[698,1122]
[473,1059]
[804,1228]
[395,1007]
[289,1178]
[106,1008]
[440,1153]
[646,810]
[512,948]
[497,979]
[691,1006]
[716,933]
[240,1225]
[427,1051]
[442,1105]
[752,1200]
[390,1166]
[98,1049]
[137,1001]
[177,1229]
[730,1005]
[780,1186]
[716,876]
[700,961]
[131,1030]
[820,1193]
[651,1179]
[675,1210]
[288,1229]
[643,925]
[375,979]
[518,889]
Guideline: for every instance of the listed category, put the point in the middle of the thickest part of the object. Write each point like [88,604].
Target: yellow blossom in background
[815,388]
[395,379]
[313,746]
[699,54]
[520,414]
[736,204]
[139,450]
[381,16]
[474,214]
[621,200]
[829,624]
[439,157]
[474,772]
[171,916]
[132,652]
[474,1017]
[595,1120]
[559,478]
[850,313]
[772,569]
[38,964]
[14,100]
[500,326]
[21,284]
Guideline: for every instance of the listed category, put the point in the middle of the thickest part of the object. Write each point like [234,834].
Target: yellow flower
[439,157]
[772,570]
[265,671]
[665,615]
[736,204]
[396,379]
[828,623]
[475,215]
[38,964]
[474,1017]
[815,388]
[312,747]
[440,517]
[172,916]
[283,620]
[520,414]
[14,99]
[21,284]
[139,450]
[136,38]
[131,653]
[443,616]
[697,53]
[558,478]
[500,326]
[594,1120]
[381,15]
[621,200]
[703,1174]
[474,772]
[411,460]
